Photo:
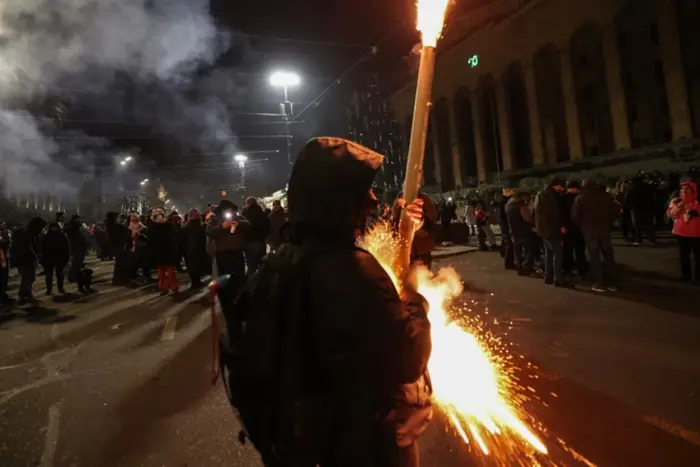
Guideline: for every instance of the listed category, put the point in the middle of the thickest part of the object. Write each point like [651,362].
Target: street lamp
[144,181]
[126,160]
[241,159]
[285,79]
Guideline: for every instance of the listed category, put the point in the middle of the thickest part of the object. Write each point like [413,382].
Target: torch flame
[474,394]
[431,19]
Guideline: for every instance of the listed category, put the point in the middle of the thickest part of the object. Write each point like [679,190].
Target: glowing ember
[476,394]
[431,17]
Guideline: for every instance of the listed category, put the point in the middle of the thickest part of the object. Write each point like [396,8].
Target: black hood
[329,183]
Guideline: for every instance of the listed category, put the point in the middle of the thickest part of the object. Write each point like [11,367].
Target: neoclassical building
[524,84]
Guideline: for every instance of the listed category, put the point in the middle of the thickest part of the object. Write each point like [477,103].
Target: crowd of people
[218,240]
[565,230]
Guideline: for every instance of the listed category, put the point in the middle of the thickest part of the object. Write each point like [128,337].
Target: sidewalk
[452,250]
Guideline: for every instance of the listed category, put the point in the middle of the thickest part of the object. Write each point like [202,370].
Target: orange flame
[475,395]
[431,20]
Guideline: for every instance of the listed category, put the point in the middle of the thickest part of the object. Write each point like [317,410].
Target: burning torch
[431,18]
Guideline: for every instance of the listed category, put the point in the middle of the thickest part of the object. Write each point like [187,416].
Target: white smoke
[91,45]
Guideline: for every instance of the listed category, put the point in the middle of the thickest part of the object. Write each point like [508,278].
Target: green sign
[473,61]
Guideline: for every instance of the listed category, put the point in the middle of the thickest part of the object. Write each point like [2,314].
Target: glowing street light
[128,158]
[241,159]
[144,181]
[285,79]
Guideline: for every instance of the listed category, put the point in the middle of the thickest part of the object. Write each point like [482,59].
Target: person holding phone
[685,212]
[229,231]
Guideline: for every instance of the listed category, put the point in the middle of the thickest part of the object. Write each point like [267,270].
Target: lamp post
[241,159]
[285,80]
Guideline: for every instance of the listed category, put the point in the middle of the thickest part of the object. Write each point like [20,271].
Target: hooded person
[370,345]
[164,251]
[194,235]
[685,212]
[26,255]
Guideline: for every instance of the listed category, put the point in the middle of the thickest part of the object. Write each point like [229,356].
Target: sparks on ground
[474,394]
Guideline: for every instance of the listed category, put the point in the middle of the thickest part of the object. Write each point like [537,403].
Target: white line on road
[169,329]
[49,454]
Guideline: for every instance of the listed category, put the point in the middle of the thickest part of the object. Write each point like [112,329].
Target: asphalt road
[123,377]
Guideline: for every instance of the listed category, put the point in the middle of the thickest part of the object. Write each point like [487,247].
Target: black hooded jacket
[372,348]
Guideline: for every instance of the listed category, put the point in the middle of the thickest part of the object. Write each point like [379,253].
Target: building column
[676,90]
[436,150]
[454,145]
[478,139]
[616,88]
[533,109]
[504,127]
[573,124]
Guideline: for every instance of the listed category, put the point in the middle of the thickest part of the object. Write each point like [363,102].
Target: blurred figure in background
[278,218]
[56,252]
[195,248]
[162,238]
[26,254]
[256,238]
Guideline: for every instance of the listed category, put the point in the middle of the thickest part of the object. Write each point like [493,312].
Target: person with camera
[685,212]
[229,231]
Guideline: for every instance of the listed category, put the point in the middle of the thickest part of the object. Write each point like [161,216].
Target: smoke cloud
[102,50]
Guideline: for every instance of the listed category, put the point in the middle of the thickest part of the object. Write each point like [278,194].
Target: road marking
[676,430]
[49,454]
[169,328]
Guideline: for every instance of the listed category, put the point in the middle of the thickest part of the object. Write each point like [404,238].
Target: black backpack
[264,364]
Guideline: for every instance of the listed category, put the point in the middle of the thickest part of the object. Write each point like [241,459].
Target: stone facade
[558,81]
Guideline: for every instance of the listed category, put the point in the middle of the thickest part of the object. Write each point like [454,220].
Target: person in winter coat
[55,248]
[685,212]
[256,245]
[278,218]
[574,242]
[370,345]
[26,254]
[520,225]
[162,240]
[229,230]
[78,251]
[550,226]
[594,211]
[195,247]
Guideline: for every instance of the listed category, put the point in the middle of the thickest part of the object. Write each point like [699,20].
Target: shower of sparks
[478,396]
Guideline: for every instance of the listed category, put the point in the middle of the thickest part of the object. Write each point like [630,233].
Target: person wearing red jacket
[685,212]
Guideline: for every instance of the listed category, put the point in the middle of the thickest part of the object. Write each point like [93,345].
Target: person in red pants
[162,240]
